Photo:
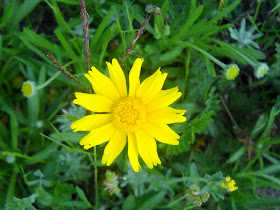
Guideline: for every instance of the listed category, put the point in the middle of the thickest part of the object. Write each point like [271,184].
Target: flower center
[233,73]
[128,114]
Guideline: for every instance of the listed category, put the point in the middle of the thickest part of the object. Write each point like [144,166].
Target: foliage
[232,126]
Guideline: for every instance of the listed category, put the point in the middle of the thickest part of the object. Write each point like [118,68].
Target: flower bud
[260,70]
[29,88]
[231,71]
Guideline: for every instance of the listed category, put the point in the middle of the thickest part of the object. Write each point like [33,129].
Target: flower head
[260,70]
[111,182]
[138,116]
[229,184]
[29,88]
[231,71]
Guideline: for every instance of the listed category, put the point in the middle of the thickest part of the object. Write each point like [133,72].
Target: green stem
[187,72]
[222,65]
[12,184]
[48,81]
[257,10]
[95,180]
[184,179]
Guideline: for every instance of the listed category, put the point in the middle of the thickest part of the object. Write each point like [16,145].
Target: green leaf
[194,170]
[65,44]
[192,18]
[42,155]
[9,10]
[74,137]
[209,66]
[38,40]
[164,9]
[83,196]
[33,48]
[197,125]
[272,169]
[24,9]
[1,46]
[172,54]
[260,152]
[256,54]
[269,123]
[129,203]
[105,22]
[14,131]
[153,201]
[186,139]
[59,17]
[263,202]
[200,123]
[225,12]
[236,155]
[108,35]
[259,125]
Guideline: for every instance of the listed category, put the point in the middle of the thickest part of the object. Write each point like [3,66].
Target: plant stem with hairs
[84,16]
[62,69]
[136,37]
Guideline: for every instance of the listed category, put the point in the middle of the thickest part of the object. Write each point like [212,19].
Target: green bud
[231,71]
[166,30]
[205,196]
[149,8]
[195,190]
[197,201]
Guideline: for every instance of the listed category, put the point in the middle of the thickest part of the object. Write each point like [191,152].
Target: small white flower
[260,70]
[29,88]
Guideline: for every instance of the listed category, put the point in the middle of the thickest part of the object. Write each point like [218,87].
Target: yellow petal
[151,87]
[102,85]
[98,136]
[134,74]
[161,132]
[147,148]
[114,147]
[90,122]
[167,115]
[117,77]
[133,152]
[163,99]
[93,102]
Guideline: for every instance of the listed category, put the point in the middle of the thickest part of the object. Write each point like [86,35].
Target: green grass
[232,127]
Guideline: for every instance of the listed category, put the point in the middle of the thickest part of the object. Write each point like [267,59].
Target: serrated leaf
[186,139]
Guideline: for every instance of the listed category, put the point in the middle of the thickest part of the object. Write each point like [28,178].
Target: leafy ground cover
[223,55]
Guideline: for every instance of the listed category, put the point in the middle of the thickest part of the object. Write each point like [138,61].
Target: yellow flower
[231,71]
[139,116]
[229,184]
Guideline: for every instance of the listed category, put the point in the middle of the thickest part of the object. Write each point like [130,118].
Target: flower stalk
[84,16]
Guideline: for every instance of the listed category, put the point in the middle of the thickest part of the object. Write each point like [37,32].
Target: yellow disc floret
[128,114]
[231,71]
[28,88]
